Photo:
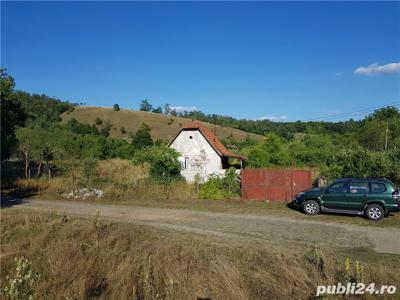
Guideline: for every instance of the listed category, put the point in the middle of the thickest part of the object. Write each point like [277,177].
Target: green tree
[98,121]
[270,152]
[312,150]
[361,162]
[105,131]
[157,110]
[381,130]
[145,105]
[12,114]
[24,137]
[165,168]
[116,107]
[142,138]
[36,145]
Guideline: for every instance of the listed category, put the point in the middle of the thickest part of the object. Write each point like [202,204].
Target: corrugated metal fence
[274,184]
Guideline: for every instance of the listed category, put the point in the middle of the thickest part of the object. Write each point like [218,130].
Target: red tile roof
[212,139]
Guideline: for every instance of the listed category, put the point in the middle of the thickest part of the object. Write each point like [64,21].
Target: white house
[202,153]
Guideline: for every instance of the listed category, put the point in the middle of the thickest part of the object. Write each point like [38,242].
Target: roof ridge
[212,138]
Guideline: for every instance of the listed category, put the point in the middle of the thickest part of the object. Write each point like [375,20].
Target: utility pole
[215,127]
[386,137]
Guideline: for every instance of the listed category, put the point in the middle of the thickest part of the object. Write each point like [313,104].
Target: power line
[351,113]
[357,113]
[334,115]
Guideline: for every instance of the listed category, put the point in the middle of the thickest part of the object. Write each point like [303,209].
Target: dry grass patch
[86,259]
[162,126]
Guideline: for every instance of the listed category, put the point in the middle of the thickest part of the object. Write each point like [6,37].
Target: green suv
[373,197]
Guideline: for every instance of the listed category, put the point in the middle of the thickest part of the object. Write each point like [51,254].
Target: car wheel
[311,207]
[374,212]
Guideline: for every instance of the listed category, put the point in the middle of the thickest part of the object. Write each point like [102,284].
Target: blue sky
[292,61]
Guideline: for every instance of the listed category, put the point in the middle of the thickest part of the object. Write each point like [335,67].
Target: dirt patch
[235,228]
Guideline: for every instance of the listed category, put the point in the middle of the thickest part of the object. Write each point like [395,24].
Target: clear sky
[292,61]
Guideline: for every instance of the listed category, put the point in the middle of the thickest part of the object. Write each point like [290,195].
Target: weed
[22,285]
[317,259]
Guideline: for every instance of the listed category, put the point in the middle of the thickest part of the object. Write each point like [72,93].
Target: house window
[186,162]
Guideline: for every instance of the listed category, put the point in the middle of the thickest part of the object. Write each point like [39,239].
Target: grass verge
[87,259]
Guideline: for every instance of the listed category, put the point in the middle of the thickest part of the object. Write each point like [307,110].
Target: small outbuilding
[202,153]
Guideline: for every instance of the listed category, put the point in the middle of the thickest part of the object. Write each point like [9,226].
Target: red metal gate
[274,184]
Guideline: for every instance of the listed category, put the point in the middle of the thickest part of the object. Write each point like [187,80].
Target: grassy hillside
[162,126]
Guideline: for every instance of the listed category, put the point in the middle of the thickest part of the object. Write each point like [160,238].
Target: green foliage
[35,145]
[79,128]
[311,150]
[221,187]
[119,148]
[22,285]
[270,152]
[157,110]
[165,166]
[12,114]
[98,121]
[105,131]
[142,138]
[145,105]
[116,107]
[41,109]
[382,125]
[360,162]
[316,258]
[283,129]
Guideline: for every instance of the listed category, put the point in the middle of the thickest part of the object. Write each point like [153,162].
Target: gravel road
[234,228]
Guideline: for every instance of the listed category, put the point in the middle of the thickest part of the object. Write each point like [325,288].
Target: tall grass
[81,259]
[120,180]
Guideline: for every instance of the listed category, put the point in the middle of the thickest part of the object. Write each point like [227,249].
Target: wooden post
[291,180]
[386,135]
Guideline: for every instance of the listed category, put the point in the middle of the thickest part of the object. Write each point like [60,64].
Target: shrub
[142,138]
[98,121]
[165,167]
[218,187]
[116,107]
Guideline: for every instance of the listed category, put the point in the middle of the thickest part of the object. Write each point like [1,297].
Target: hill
[162,126]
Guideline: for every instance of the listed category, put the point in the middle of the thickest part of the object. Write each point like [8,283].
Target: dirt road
[236,228]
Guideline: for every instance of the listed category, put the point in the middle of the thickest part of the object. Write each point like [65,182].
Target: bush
[142,138]
[116,107]
[98,121]
[360,162]
[165,167]
[218,187]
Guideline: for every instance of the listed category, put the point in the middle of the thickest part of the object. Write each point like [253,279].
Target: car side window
[359,187]
[378,187]
[339,187]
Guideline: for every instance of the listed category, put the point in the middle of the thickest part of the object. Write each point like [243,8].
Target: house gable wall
[199,155]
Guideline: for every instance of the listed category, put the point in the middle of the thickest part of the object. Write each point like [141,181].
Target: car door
[335,196]
[357,196]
